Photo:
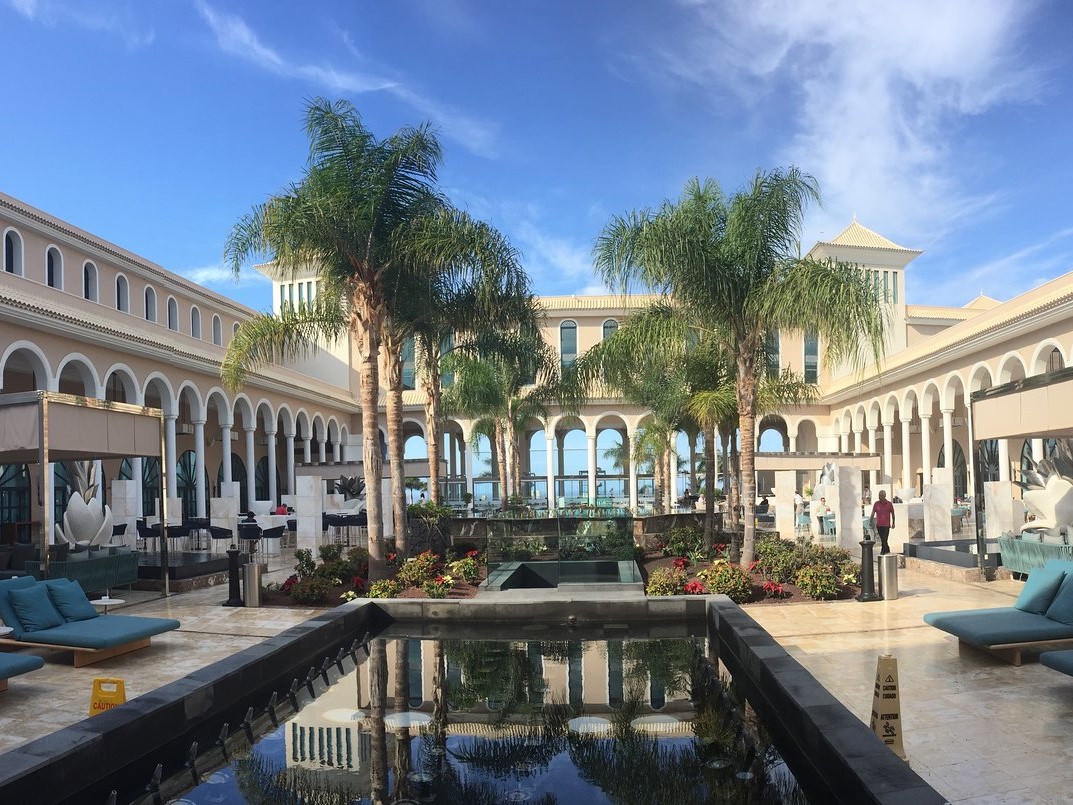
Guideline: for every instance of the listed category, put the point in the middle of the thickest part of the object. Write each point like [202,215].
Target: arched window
[217,331]
[53,268]
[1054,360]
[173,314]
[150,303]
[812,358]
[13,252]
[234,330]
[568,342]
[195,322]
[89,282]
[122,295]
[610,328]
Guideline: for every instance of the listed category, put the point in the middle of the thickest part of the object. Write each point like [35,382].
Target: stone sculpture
[1048,493]
[84,522]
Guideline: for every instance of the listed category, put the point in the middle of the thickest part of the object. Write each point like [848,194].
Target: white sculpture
[84,522]
[1048,494]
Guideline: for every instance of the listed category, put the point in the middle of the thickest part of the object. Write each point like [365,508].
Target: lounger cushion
[1061,608]
[35,609]
[1002,625]
[1039,590]
[7,613]
[15,664]
[71,602]
[105,631]
[1058,660]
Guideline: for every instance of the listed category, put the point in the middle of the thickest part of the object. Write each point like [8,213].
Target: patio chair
[272,533]
[249,534]
[218,532]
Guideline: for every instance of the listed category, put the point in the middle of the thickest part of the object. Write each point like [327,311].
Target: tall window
[568,342]
[282,297]
[53,268]
[12,252]
[89,282]
[122,294]
[1054,360]
[812,358]
[771,349]
[173,314]
[150,303]
[610,328]
[446,346]
[195,322]
[234,330]
[217,331]
[408,363]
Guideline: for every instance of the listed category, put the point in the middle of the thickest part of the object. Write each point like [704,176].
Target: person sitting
[763,506]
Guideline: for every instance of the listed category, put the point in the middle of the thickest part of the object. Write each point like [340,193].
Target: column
[858,441]
[169,458]
[322,455]
[843,443]
[273,481]
[888,458]
[337,450]
[199,468]
[1003,460]
[307,452]
[251,465]
[874,475]
[549,458]
[467,465]
[592,468]
[225,437]
[452,456]
[907,456]
[925,448]
[1037,450]
[633,471]
[948,440]
[289,441]
[136,471]
[791,441]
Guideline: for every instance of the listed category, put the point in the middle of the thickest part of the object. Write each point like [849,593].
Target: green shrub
[385,588]
[415,572]
[304,565]
[682,541]
[466,569]
[818,581]
[666,581]
[357,560]
[330,552]
[850,572]
[827,555]
[778,559]
[730,580]
[438,587]
[310,590]
[335,569]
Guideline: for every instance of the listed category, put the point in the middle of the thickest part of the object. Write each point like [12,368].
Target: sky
[944,126]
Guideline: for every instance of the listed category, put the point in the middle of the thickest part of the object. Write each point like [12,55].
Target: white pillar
[1003,460]
[289,441]
[792,445]
[843,443]
[907,456]
[251,465]
[169,449]
[225,437]
[633,471]
[199,468]
[948,440]
[273,481]
[592,468]
[307,452]
[888,457]
[874,474]
[858,441]
[549,457]
[136,471]
[337,450]
[322,456]
[925,448]
[1037,450]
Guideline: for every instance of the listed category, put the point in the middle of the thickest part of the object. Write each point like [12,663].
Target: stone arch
[1040,363]
[808,440]
[980,378]
[909,404]
[952,387]
[874,417]
[29,368]
[891,407]
[120,384]
[243,411]
[287,419]
[157,392]
[302,429]
[82,373]
[189,394]
[1011,367]
[216,399]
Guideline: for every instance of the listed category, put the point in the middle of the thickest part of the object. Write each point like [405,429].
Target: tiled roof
[940,312]
[859,236]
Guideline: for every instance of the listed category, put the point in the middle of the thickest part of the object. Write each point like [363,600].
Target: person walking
[882,519]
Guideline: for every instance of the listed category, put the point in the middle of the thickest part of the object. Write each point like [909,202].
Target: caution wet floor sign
[886,708]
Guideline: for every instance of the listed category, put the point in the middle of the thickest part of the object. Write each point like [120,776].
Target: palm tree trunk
[709,483]
[501,462]
[730,520]
[692,461]
[378,737]
[395,445]
[403,757]
[430,379]
[515,462]
[372,464]
[747,428]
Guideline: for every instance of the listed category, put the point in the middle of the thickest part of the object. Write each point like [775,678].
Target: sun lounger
[15,664]
[1058,660]
[1042,617]
[56,614]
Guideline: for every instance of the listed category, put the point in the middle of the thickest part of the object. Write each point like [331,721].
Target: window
[610,328]
[150,303]
[408,364]
[771,354]
[173,314]
[234,330]
[12,252]
[812,358]
[568,343]
[53,268]
[447,345]
[217,331]
[894,287]
[89,282]
[122,295]
[195,322]
[1054,360]
[282,297]
[309,291]
[886,286]
[301,294]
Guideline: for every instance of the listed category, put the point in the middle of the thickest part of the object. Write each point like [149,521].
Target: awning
[1036,407]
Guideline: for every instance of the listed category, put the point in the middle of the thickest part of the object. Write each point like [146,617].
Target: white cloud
[550,259]
[97,19]
[235,37]
[877,92]
[215,276]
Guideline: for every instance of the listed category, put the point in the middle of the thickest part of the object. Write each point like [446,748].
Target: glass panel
[812,358]
[568,342]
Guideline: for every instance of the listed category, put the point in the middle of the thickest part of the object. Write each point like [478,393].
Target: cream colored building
[81,315]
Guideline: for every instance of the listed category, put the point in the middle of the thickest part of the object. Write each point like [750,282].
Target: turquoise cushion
[15,664]
[105,631]
[71,602]
[1061,608]
[999,626]
[6,612]
[1039,590]
[34,608]
[78,556]
[1058,660]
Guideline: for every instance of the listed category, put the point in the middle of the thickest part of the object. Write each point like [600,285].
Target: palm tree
[733,265]
[351,217]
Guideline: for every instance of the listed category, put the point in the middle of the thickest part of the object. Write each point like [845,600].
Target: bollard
[251,583]
[888,576]
[234,597]
[868,584]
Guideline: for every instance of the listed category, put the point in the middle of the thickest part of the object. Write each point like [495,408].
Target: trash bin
[888,576]
[251,583]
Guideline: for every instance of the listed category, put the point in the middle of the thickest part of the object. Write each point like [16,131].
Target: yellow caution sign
[108,691]
[886,707]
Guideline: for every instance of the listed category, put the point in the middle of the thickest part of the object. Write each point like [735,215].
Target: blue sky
[943,125]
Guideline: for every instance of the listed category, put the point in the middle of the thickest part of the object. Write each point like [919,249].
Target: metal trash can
[888,576]
[251,583]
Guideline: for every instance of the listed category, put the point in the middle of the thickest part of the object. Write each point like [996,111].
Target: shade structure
[589,725]
[660,723]
[404,720]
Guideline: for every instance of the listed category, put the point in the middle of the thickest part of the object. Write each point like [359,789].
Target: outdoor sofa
[1041,618]
[56,614]
[15,664]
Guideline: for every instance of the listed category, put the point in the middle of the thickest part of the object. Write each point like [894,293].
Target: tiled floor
[975,728]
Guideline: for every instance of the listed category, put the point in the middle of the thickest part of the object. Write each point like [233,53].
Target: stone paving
[977,729]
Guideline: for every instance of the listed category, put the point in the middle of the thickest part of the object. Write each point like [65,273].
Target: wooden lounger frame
[1013,652]
[82,656]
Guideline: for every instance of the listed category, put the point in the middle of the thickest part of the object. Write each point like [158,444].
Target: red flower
[681,562]
[289,583]
[358,582]
[752,565]
[472,554]
[694,588]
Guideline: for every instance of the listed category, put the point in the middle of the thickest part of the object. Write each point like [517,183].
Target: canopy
[1034,408]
